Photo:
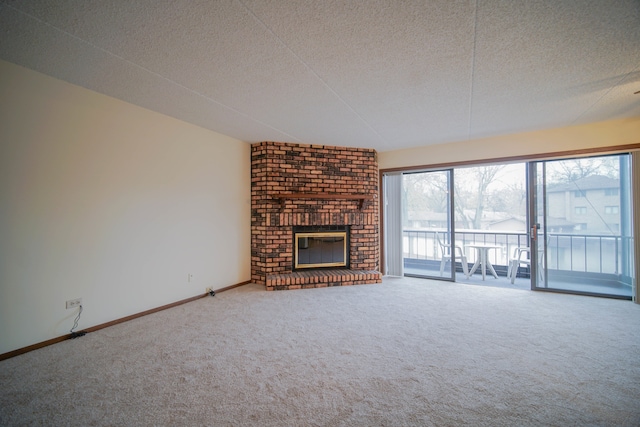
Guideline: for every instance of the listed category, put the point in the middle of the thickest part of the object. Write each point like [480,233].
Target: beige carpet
[407,352]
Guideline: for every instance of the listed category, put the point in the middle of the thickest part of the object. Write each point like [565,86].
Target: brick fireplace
[296,186]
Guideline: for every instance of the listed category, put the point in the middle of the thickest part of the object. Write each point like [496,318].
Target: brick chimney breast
[297,185]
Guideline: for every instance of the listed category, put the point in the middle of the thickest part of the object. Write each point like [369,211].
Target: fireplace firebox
[320,247]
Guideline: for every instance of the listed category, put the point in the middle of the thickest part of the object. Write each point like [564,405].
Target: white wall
[111,203]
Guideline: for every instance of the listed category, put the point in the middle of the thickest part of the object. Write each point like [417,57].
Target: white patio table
[482,259]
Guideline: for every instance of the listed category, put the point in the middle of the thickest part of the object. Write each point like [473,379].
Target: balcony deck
[522,282]
[577,263]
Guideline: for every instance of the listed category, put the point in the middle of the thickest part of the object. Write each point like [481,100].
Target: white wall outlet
[189,277]
[72,303]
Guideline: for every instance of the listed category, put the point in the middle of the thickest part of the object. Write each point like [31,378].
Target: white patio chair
[446,256]
[517,260]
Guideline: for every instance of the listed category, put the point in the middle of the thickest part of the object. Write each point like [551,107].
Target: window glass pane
[427,225]
[611,209]
[587,222]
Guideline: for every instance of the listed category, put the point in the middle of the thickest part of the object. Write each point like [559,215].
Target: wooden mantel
[292,196]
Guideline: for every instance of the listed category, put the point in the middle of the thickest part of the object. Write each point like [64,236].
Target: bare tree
[512,198]
[471,189]
[574,169]
[426,191]
[429,192]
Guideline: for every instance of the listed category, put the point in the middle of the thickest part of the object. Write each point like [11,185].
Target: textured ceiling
[370,73]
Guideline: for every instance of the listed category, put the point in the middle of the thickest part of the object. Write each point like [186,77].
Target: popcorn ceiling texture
[376,74]
[282,168]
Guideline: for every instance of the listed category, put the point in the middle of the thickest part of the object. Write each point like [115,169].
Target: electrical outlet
[72,303]
[207,290]
[189,277]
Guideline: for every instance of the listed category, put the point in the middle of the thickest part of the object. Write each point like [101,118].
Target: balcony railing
[579,253]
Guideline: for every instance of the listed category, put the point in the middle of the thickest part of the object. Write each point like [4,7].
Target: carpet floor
[407,352]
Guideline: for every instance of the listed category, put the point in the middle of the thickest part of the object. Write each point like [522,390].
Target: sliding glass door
[580,225]
[570,229]
[429,248]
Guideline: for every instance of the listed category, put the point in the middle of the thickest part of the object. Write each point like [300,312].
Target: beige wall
[595,135]
[111,203]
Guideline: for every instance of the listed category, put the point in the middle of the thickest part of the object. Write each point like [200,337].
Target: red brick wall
[282,168]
